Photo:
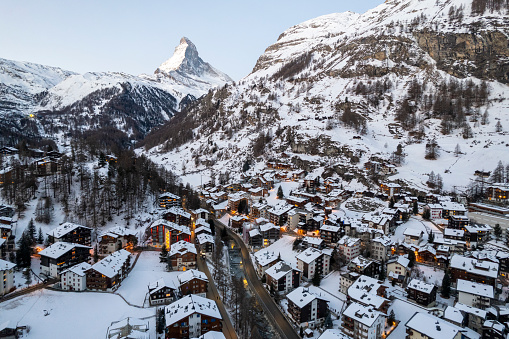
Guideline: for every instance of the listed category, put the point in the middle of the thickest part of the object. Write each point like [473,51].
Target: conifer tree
[446,285]
[96,253]
[431,237]
[280,194]
[24,251]
[497,230]
[411,258]
[316,279]
[392,318]
[40,237]
[164,254]
[415,208]
[31,230]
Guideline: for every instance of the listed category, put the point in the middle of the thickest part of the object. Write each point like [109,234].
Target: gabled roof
[313,240]
[431,326]
[58,249]
[412,232]
[348,241]
[264,258]
[112,264]
[120,231]
[301,296]
[268,226]
[471,310]
[420,285]
[484,268]
[181,247]
[188,305]
[475,288]
[279,270]
[6,265]
[178,211]
[203,238]
[366,315]
[330,228]
[364,290]
[157,285]
[79,269]
[190,275]
[309,255]
[168,195]
[65,228]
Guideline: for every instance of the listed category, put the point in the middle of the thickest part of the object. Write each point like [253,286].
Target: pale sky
[137,36]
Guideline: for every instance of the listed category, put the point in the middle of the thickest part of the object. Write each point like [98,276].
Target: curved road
[280,322]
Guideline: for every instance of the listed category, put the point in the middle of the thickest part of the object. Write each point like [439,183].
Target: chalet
[435,211]
[349,247]
[330,234]
[108,273]
[397,268]
[259,210]
[442,255]
[270,233]
[257,192]
[360,321]
[238,220]
[313,261]
[129,328]
[162,292]
[6,150]
[163,232]
[484,272]
[477,233]
[6,175]
[381,248]
[381,222]
[413,236]
[7,211]
[298,202]
[457,222]
[364,266]
[312,242]
[182,256]
[498,193]
[424,325]
[265,260]
[61,255]
[282,277]
[168,200]
[452,208]
[369,292]
[304,306]
[255,239]
[191,317]
[493,329]
[75,278]
[117,238]
[205,243]
[7,275]
[201,226]
[391,189]
[474,317]
[454,234]
[265,181]
[298,217]
[234,200]
[278,215]
[5,230]
[200,213]
[46,166]
[426,254]
[71,233]
[474,294]
[422,293]
[193,282]
[178,216]
[503,260]
[347,279]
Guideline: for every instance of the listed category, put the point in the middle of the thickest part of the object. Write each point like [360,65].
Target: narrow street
[279,320]
[228,330]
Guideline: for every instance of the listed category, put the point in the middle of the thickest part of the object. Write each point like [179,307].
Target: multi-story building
[162,292]
[178,216]
[282,277]
[363,322]
[474,317]
[474,294]
[452,208]
[413,236]
[7,276]
[265,260]
[369,292]
[422,293]
[182,256]
[71,233]
[381,248]
[477,233]
[330,234]
[313,260]
[163,232]
[484,272]
[193,282]
[347,279]
[424,325]
[350,247]
[270,233]
[191,317]
[108,273]
[168,200]
[60,256]
[304,306]
[457,222]
[117,238]
[75,278]
[205,243]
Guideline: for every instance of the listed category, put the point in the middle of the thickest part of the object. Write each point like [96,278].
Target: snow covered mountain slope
[64,101]
[341,89]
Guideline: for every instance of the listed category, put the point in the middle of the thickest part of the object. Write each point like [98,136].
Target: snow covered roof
[212,335]
[280,209]
[313,240]
[171,225]
[188,305]
[420,285]
[309,255]
[168,195]
[471,310]
[79,269]
[112,264]
[131,328]
[203,238]
[301,296]
[268,226]
[451,232]
[412,232]
[495,325]
[264,258]
[484,268]
[383,240]
[178,211]
[348,241]
[201,222]
[475,288]
[157,285]
[364,290]
[190,275]
[2,241]
[453,314]
[330,228]
[431,326]
[478,228]
[453,206]
[200,210]
[181,247]
[120,231]
[333,334]
[220,206]
[366,315]
[279,270]
[6,265]
[203,229]
[254,233]
[65,228]
[58,249]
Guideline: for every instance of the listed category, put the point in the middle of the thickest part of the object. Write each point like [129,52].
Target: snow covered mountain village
[355,184]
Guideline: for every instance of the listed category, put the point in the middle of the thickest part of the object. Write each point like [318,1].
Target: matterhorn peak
[184,53]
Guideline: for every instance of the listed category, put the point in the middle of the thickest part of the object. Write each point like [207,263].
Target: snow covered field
[148,269]
[284,247]
[71,314]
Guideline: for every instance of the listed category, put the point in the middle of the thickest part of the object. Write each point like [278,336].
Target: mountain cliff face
[63,101]
[403,73]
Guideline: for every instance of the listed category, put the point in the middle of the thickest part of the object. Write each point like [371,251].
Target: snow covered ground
[403,311]
[418,224]
[71,314]
[284,247]
[148,269]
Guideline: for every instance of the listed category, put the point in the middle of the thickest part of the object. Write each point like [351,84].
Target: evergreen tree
[31,230]
[498,173]
[102,160]
[246,166]
[163,256]
[446,285]
[382,275]
[426,214]
[328,321]
[507,237]
[40,237]
[316,279]
[498,127]
[301,332]
[457,150]
[24,251]
[392,202]
[497,230]
[96,253]
[280,194]
[27,274]
[392,318]
[431,237]
[212,227]
[415,208]
[161,321]
[12,257]
[411,258]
